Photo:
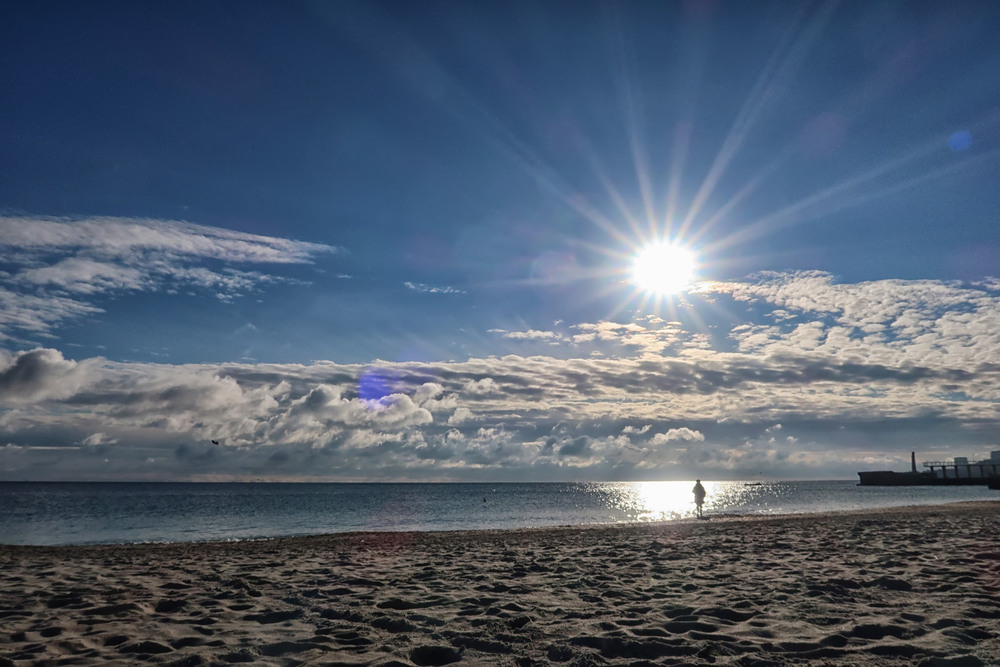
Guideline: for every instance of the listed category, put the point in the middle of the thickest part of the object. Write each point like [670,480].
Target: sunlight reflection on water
[89,513]
[664,501]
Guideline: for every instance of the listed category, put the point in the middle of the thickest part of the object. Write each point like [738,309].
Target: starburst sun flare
[664,268]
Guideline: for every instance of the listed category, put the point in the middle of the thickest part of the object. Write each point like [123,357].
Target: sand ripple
[913,586]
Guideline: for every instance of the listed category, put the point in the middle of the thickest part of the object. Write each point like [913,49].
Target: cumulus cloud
[327,405]
[886,321]
[57,266]
[460,415]
[577,446]
[677,434]
[482,386]
[37,374]
[818,391]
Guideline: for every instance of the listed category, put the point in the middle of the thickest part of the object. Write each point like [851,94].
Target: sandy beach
[908,586]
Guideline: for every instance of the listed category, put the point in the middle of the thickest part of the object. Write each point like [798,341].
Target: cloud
[885,321]
[532,334]
[578,446]
[480,387]
[647,335]
[460,415]
[56,267]
[38,313]
[812,390]
[328,406]
[85,276]
[132,238]
[95,439]
[430,289]
[39,374]
[677,435]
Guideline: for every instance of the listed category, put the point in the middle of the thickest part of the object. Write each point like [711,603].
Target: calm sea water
[50,513]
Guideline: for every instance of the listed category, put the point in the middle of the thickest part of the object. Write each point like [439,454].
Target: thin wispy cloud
[37,313]
[134,239]
[431,289]
[531,334]
[54,268]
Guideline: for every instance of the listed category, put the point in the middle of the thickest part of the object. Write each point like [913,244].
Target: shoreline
[709,517]
[911,585]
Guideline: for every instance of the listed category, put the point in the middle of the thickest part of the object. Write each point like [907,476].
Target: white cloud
[430,289]
[482,386]
[85,276]
[59,265]
[95,439]
[648,335]
[794,390]
[531,334]
[678,434]
[38,313]
[887,321]
[135,238]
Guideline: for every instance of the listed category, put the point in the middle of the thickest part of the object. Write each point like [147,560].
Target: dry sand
[911,586]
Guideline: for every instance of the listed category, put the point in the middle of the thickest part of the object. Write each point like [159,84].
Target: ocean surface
[56,513]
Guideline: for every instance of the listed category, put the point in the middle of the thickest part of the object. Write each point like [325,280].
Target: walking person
[699,496]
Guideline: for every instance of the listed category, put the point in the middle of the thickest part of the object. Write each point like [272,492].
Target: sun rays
[664,268]
[678,194]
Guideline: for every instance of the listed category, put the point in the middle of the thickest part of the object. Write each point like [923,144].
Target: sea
[75,513]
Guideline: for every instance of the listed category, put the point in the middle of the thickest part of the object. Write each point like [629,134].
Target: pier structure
[972,469]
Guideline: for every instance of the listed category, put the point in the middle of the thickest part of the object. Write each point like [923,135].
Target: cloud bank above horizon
[831,379]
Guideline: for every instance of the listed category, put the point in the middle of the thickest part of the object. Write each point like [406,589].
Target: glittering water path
[89,513]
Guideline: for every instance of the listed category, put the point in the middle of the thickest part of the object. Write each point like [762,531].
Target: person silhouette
[699,495]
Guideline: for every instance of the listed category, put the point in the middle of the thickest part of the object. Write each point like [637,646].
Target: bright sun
[663,268]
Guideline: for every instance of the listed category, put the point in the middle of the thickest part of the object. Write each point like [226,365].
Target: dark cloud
[578,446]
[37,374]
[279,457]
[198,454]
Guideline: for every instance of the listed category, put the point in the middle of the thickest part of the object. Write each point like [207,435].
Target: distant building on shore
[959,471]
[962,468]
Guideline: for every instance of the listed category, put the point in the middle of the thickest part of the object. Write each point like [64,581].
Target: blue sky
[395,240]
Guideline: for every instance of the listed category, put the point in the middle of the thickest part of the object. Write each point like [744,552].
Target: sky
[406,241]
